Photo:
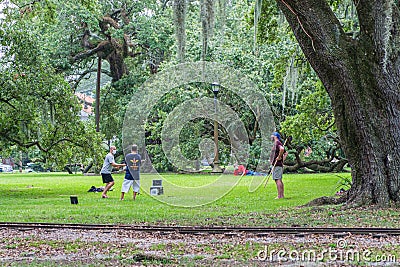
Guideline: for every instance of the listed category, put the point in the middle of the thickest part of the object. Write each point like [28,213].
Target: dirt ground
[68,247]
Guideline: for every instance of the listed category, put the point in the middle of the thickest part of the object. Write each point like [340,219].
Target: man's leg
[277,174]
[108,186]
[126,185]
[280,188]
[136,188]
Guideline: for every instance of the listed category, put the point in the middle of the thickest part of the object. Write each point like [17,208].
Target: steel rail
[227,230]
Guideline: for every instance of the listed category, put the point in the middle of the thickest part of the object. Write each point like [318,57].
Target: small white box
[154,192]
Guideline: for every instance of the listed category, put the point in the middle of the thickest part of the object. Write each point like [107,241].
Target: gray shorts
[277,173]
[127,184]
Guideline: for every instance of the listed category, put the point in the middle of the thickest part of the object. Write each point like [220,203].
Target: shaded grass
[45,198]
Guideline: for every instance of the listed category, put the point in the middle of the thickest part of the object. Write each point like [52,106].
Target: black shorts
[107,178]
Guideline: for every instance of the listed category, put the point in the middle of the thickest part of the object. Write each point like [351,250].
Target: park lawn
[45,197]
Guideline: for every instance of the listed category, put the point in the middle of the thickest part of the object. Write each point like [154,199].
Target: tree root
[327,201]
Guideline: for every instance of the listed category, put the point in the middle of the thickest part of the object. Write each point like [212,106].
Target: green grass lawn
[45,197]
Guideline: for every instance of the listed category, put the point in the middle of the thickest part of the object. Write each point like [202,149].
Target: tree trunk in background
[86,170]
[362,77]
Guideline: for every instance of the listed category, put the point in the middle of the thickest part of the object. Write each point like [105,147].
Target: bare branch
[327,128]
[29,4]
[7,101]
[164,6]
[74,83]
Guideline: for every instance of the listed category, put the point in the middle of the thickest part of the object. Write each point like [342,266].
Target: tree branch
[82,75]
[7,101]
[316,165]
[29,4]
[164,5]
[327,128]
[100,47]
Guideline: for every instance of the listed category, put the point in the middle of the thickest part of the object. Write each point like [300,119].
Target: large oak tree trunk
[362,77]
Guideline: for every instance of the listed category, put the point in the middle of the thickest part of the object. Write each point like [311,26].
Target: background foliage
[51,49]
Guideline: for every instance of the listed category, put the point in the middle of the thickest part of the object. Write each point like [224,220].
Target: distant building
[87,106]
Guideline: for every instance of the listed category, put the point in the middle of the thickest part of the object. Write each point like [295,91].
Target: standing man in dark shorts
[106,170]
[276,160]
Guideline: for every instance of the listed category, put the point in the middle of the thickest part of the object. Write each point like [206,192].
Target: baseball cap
[277,135]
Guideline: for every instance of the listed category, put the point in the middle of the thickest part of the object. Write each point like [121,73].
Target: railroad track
[198,230]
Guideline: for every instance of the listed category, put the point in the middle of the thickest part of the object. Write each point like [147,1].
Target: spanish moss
[257,14]
[290,84]
[207,21]
[180,7]
[222,4]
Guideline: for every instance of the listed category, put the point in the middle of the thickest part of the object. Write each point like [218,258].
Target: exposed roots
[327,201]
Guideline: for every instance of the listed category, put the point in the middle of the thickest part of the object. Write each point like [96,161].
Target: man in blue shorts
[106,170]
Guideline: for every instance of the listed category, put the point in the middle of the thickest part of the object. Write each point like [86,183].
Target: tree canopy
[328,71]
[136,39]
[38,108]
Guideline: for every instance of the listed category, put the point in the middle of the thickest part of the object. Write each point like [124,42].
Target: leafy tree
[266,63]
[313,141]
[116,31]
[132,37]
[360,72]
[301,106]
[37,106]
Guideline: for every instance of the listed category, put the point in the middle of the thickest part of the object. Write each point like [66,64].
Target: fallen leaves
[128,247]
